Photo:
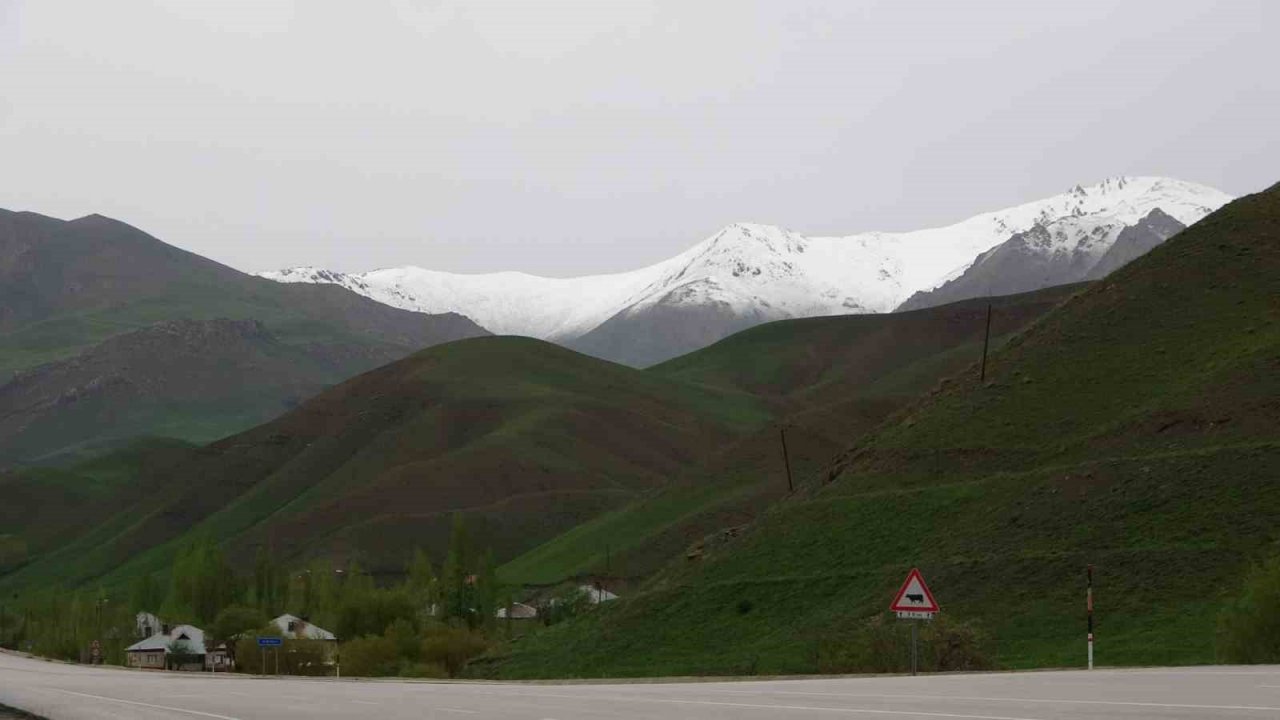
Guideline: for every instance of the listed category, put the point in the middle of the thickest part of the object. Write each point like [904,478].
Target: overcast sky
[562,138]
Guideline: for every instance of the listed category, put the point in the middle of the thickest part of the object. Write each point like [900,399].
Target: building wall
[147,659]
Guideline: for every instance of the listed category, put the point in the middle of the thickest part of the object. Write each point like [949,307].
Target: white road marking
[148,705]
[458,710]
[365,702]
[812,708]
[1250,708]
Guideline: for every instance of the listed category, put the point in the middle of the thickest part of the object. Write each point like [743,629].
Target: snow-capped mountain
[746,274]
[1066,250]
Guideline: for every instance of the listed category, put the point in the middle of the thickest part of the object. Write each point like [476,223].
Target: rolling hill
[107,332]
[825,380]
[1132,428]
[524,438]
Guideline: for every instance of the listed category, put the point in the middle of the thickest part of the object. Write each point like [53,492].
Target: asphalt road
[74,693]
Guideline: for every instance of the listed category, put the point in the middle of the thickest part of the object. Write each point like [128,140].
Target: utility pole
[786,459]
[986,342]
[1089,606]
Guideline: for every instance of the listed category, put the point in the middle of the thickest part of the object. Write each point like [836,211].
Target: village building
[293,627]
[179,648]
[597,594]
[518,611]
[303,634]
[147,624]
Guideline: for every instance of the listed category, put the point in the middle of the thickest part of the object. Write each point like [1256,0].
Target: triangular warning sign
[914,596]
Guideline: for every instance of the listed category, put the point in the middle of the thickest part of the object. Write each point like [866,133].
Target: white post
[1089,607]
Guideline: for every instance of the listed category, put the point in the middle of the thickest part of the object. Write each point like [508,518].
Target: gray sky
[569,137]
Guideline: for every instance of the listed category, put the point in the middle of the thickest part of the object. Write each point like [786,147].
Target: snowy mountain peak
[766,272]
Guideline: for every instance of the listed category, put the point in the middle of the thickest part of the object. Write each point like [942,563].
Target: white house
[596,595]
[293,627]
[186,641]
[147,624]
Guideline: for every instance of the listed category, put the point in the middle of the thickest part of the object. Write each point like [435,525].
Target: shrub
[306,657]
[407,641]
[1249,626]
[883,644]
[452,648]
[955,646]
[422,670]
[373,656]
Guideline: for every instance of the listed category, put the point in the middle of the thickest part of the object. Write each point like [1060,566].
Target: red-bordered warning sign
[914,599]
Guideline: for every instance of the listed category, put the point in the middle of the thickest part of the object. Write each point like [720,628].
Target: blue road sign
[265,641]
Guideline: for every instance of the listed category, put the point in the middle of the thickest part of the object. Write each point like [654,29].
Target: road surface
[73,692]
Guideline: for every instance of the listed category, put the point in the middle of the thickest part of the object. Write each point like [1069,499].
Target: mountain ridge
[749,273]
[83,308]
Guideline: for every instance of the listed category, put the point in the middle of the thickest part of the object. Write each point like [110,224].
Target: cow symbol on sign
[914,601]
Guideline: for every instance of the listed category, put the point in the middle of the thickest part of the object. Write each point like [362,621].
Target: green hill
[524,438]
[827,379]
[80,302]
[1133,428]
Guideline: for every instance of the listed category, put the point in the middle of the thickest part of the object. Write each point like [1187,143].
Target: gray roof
[304,630]
[190,634]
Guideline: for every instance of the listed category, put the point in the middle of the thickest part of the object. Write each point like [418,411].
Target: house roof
[597,595]
[518,611]
[302,629]
[190,634]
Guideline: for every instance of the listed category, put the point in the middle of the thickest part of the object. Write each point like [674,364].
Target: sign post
[914,602]
[263,644]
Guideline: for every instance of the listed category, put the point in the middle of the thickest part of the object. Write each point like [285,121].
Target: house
[293,627]
[181,648]
[596,594]
[518,611]
[146,625]
[304,635]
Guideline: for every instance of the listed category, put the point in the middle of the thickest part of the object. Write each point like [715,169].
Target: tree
[233,623]
[268,593]
[486,595]
[180,653]
[421,582]
[456,588]
[201,583]
[145,595]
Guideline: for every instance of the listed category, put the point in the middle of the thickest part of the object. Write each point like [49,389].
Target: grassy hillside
[1133,428]
[196,380]
[826,379]
[69,287]
[525,438]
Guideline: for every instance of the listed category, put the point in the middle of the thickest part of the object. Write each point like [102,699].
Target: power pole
[986,342]
[786,459]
